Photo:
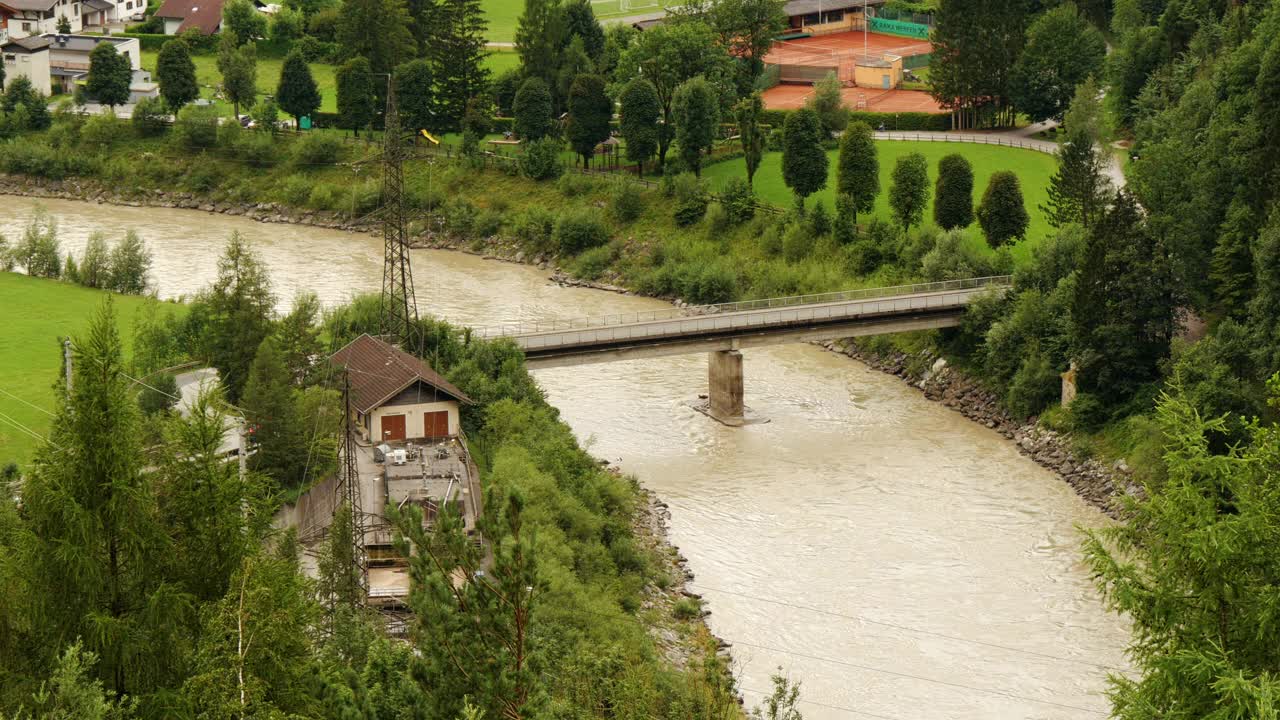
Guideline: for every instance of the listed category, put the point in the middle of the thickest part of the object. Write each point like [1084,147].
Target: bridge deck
[767,320]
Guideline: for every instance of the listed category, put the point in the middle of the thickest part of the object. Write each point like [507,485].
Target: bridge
[724,330]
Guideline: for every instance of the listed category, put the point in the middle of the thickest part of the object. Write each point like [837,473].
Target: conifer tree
[1078,190]
[580,22]
[541,36]
[953,193]
[639,122]
[176,74]
[297,93]
[589,112]
[909,193]
[110,75]
[299,337]
[697,114]
[271,411]
[1264,309]
[238,65]
[748,113]
[858,169]
[92,552]
[240,304]
[1231,267]
[415,93]
[378,30]
[455,47]
[532,110]
[1063,49]
[804,161]
[1002,214]
[357,98]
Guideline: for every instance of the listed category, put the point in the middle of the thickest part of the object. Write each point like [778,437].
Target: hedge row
[910,121]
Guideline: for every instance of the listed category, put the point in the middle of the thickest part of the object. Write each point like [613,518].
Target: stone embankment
[1100,484]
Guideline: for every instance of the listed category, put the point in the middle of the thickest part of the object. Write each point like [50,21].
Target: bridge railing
[531,327]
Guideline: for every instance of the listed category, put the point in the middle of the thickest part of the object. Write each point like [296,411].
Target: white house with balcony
[55,63]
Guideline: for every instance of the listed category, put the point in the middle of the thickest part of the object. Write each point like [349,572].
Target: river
[898,560]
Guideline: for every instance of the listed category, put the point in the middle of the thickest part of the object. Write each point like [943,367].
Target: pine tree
[130,265]
[357,99]
[532,111]
[639,122]
[92,552]
[455,47]
[1124,308]
[1078,190]
[271,411]
[858,169]
[110,75]
[1002,214]
[299,337]
[239,68]
[1231,268]
[909,193]
[240,304]
[953,193]
[697,114]
[804,161]
[378,30]
[580,22]
[541,36]
[1264,309]
[176,74]
[297,93]
[748,113]
[589,112]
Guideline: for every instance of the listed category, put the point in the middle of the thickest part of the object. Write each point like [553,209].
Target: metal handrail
[1043,146]
[601,321]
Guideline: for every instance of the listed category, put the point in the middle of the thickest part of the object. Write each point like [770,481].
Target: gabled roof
[29,4]
[204,15]
[29,44]
[379,371]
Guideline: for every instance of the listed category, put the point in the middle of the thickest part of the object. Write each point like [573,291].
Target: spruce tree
[589,112]
[580,22]
[299,337]
[271,411]
[240,305]
[176,74]
[804,161]
[1264,309]
[1002,214]
[110,75]
[1078,190]
[455,47]
[92,553]
[639,121]
[378,30]
[748,113]
[953,193]
[858,169]
[909,193]
[357,99]
[1231,268]
[541,37]
[532,111]
[697,113]
[297,93]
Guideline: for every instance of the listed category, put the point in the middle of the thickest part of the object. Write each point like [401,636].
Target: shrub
[316,149]
[196,127]
[295,190]
[953,258]
[711,283]
[626,203]
[771,240]
[797,243]
[365,197]
[593,263]
[691,197]
[159,394]
[488,222]
[578,230]
[38,250]
[541,160]
[1035,386]
[576,185]
[738,200]
[687,609]
[203,177]
[150,116]
[534,227]
[820,219]
[717,219]
[130,265]
[322,197]
[774,141]
[459,215]
[101,131]
[1087,413]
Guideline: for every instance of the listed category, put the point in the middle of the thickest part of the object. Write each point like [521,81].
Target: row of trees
[123,269]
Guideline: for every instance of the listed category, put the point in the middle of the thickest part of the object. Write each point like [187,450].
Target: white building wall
[171,26]
[414,424]
[33,66]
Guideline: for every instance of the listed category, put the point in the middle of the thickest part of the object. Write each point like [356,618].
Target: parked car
[138,17]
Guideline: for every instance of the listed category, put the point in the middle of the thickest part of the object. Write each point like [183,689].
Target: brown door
[436,424]
[392,427]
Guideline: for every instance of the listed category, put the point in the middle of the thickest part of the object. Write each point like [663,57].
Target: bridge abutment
[725,387]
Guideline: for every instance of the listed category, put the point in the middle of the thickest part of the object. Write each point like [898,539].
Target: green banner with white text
[899,27]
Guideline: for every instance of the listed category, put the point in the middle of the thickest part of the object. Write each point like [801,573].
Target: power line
[23,428]
[24,402]
[151,387]
[863,618]
[920,678]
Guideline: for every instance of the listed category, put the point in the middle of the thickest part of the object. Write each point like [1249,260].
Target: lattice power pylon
[349,486]
[399,306]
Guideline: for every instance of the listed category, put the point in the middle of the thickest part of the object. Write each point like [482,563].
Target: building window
[26,27]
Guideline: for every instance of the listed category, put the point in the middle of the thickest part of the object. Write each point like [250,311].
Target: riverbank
[1098,483]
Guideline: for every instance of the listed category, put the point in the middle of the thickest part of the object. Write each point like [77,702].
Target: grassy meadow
[503,14]
[30,354]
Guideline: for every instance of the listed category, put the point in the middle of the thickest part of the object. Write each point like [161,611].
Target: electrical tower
[349,486]
[399,306]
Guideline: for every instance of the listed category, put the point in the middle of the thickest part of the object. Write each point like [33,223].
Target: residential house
[818,17]
[23,18]
[182,15]
[55,63]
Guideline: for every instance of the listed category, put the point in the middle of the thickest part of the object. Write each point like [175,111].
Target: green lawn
[30,356]
[1033,169]
[503,14]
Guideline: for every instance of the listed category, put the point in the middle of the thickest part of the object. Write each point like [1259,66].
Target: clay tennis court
[842,46]
[790,97]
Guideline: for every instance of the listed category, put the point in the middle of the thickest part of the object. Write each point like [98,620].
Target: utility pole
[66,361]
[399,306]
[349,486]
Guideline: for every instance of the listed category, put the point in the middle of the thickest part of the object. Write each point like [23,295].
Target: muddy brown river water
[898,560]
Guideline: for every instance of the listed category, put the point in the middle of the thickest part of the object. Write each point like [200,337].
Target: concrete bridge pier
[724,381]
